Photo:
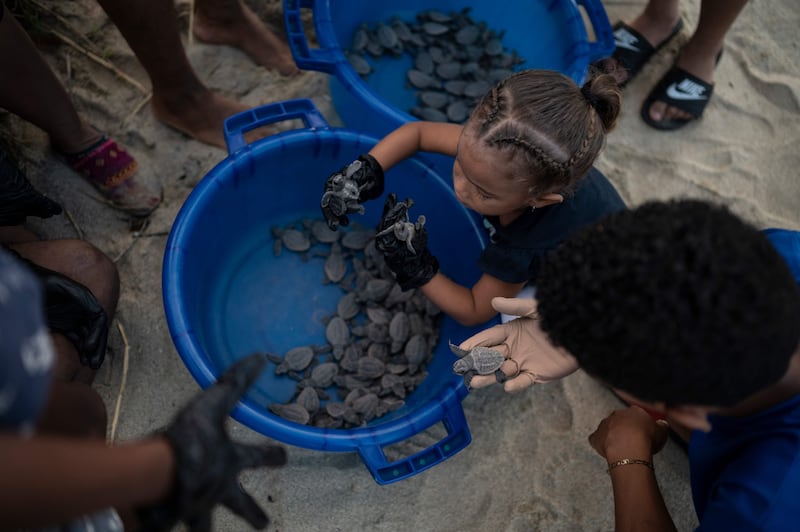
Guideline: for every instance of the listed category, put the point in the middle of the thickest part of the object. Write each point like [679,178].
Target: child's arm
[468,306]
[181,475]
[362,179]
[411,137]
[49,480]
[628,439]
[415,266]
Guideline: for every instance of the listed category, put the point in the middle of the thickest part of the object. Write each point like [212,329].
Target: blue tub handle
[329,54]
[603,46]
[239,124]
[458,437]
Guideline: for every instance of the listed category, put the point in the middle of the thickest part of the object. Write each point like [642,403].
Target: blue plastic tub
[550,34]
[226,295]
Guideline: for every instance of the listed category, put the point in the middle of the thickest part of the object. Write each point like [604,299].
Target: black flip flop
[681,90]
[632,51]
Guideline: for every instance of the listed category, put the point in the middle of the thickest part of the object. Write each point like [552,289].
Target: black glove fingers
[389,204]
[248,456]
[237,379]
[200,523]
[242,504]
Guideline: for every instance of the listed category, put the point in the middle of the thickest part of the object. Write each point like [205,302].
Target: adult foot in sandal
[636,42]
[233,23]
[694,68]
[116,175]
[682,94]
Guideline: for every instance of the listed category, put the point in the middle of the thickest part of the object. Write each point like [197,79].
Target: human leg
[34,83]
[233,23]
[655,25]
[81,262]
[699,56]
[74,407]
[180,99]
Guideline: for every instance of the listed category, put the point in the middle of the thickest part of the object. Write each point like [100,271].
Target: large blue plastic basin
[549,34]
[226,295]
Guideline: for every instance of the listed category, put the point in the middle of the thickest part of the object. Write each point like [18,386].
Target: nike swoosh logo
[677,94]
[621,44]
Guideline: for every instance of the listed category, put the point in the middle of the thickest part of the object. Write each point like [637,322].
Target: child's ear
[546,199]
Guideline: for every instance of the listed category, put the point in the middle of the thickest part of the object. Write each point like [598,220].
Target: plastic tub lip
[198,363]
[330,57]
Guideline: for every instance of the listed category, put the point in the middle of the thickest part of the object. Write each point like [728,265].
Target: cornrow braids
[587,140]
[494,105]
[535,152]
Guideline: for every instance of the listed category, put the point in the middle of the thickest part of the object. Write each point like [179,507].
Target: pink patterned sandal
[115,174]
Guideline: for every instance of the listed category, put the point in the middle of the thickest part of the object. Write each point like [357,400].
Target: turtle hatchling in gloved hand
[348,188]
[531,358]
[405,244]
[208,462]
[479,360]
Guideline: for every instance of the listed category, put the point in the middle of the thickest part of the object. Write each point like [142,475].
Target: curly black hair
[677,301]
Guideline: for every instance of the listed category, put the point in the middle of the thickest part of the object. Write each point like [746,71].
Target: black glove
[72,310]
[18,199]
[405,244]
[208,462]
[348,188]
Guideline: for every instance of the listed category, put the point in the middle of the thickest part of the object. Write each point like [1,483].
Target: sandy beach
[529,466]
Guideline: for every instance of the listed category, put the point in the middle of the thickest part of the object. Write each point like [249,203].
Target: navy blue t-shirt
[516,251]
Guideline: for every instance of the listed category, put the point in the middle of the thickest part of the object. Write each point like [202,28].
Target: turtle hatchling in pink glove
[530,358]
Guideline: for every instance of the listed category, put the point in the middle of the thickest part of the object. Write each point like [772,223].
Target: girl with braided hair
[523,160]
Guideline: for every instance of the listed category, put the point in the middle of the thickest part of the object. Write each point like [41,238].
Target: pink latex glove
[532,358]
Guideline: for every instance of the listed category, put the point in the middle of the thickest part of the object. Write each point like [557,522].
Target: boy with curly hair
[693,313]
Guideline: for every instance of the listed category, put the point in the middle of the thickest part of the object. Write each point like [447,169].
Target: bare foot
[199,114]
[244,30]
[696,61]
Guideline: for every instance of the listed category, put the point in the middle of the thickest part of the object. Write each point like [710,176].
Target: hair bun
[604,95]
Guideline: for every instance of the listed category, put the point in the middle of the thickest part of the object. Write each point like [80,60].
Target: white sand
[529,466]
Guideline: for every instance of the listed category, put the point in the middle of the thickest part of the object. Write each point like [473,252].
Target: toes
[657,110]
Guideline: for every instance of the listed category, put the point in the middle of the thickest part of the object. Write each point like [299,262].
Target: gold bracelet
[626,461]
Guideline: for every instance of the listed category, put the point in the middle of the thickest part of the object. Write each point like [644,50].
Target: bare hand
[629,433]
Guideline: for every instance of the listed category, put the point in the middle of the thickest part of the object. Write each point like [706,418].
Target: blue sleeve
[757,490]
[26,352]
[787,243]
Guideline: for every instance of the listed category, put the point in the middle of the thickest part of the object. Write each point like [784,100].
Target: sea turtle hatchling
[405,231]
[335,265]
[479,360]
[295,240]
[348,306]
[356,239]
[295,359]
[291,412]
[323,233]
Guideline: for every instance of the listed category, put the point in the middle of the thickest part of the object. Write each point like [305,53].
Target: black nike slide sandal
[678,88]
[632,51]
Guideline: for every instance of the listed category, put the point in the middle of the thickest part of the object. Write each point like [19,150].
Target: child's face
[482,183]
